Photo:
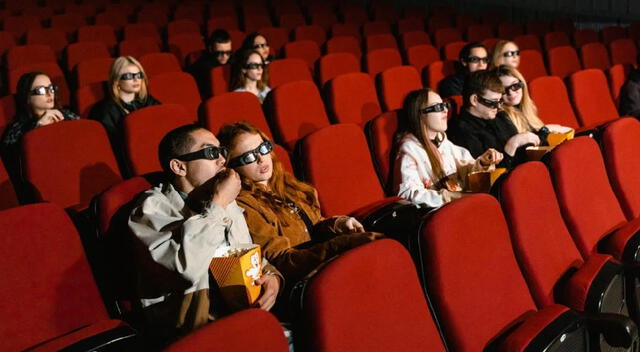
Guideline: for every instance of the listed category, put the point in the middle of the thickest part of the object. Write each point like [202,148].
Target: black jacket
[200,71]
[630,95]
[452,85]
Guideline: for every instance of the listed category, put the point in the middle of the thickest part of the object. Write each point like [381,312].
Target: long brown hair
[238,78]
[525,115]
[412,123]
[283,186]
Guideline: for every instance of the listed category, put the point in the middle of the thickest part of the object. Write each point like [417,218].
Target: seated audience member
[283,213]
[520,108]
[36,105]
[473,57]
[258,42]
[507,53]
[429,169]
[218,52]
[181,223]
[250,74]
[128,91]
[479,125]
[630,94]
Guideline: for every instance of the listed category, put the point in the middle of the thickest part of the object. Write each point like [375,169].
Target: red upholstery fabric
[69,162]
[552,100]
[509,30]
[18,25]
[93,71]
[472,272]
[311,32]
[307,50]
[380,41]
[611,33]
[556,39]
[29,54]
[51,69]
[99,33]
[337,161]
[620,141]
[452,50]
[594,55]
[184,44]
[68,22]
[115,19]
[229,334]
[466,20]
[413,38]
[376,27]
[544,248]
[176,88]
[88,96]
[54,37]
[353,13]
[345,29]
[395,83]
[158,63]
[289,21]
[143,130]
[77,52]
[564,23]
[438,21]
[531,64]
[380,133]
[344,44]
[156,14]
[232,107]
[617,75]
[584,36]
[323,19]
[479,32]
[48,289]
[142,30]
[522,336]
[381,59]
[528,42]
[79,335]
[8,198]
[580,283]
[224,22]
[7,41]
[420,56]
[336,64]
[352,98]
[110,201]
[436,72]
[355,303]
[623,51]
[410,24]
[589,206]
[220,78]
[538,27]
[276,36]
[445,36]
[563,61]
[137,47]
[288,70]
[297,111]
[183,26]
[617,242]
[591,98]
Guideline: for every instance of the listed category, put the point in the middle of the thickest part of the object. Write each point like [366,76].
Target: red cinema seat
[531,65]
[563,61]
[29,54]
[623,51]
[445,36]
[380,41]
[183,26]
[556,39]
[479,32]
[98,33]
[380,133]
[77,52]
[433,74]
[232,107]
[395,83]
[584,36]
[345,29]
[375,27]
[410,24]
[336,64]
[451,51]
[8,197]
[276,36]
[87,96]
[182,45]
[344,44]
[310,32]
[158,63]
[146,30]
[53,37]
[288,70]
[137,47]
[594,55]
[421,56]
[611,33]
[220,78]
[413,38]
[306,50]
[381,59]
[509,30]
[176,88]
[528,42]
[92,71]
[552,100]
[591,97]
[617,75]
[352,98]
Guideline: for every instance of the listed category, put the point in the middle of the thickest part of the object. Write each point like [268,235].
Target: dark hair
[175,143]
[218,36]
[23,93]
[237,76]
[479,81]
[247,43]
[466,50]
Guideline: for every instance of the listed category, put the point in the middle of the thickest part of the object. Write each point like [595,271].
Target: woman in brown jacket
[282,213]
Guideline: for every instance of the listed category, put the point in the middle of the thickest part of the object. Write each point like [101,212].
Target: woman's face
[261,169]
[130,80]
[253,68]
[260,45]
[510,55]
[434,121]
[39,102]
[513,90]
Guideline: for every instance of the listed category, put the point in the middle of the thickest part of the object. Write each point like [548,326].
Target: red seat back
[531,65]
[552,100]
[395,83]
[77,52]
[93,71]
[288,70]
[433,74]
[420,56]
[336,64]
[233,107]
[555,39]
[623,51]
[591,97]
[8,197]
[563,61]
[157,63]
[176,88]
[594,55]
[380,133]
[380,41]
[306,50]
[311,32]
[344,44]
[352,98]
[220,77]
[29,54]
[617,76]
[445,36]
[382,59]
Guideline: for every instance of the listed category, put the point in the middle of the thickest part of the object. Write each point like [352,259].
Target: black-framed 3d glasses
[210,153]
[253,66]
[251,156]
[260,45]
[223,52]
[44,90]
[440,107]
[514,87]
[476,59]
[511,53]
[494,104]
[129,76]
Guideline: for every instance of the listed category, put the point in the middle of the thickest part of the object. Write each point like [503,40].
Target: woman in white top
[250,74]
[429,169]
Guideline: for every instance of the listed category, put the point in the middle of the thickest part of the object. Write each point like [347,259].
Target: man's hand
[490,157]
[347,224]
[270,287]
[49,117]
[226,188]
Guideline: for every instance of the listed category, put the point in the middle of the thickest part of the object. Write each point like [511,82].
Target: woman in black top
[258,42]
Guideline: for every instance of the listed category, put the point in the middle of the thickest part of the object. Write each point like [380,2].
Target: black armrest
[398,220]
[122,338]
[618,330]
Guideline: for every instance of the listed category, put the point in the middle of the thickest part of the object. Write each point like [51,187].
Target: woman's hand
[270,287]
[490,157]
[347,224]
[519,140]
[49,117]
[553,128]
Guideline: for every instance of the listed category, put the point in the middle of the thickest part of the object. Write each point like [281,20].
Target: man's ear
[178,167]
[473,100]
[464,63]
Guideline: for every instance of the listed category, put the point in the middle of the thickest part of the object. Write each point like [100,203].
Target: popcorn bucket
[481,181]
[536,153]
[556,138]
[235,269]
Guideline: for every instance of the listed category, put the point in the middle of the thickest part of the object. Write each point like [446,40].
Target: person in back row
[250,74]
[180,224]
[429,169]
[258,42]
[283,213]
[480,126]
[219,50]
[507,53]
[630,93]
[473,57]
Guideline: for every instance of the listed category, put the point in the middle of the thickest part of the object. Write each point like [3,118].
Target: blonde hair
[525,115]
[114,78]
[496,58]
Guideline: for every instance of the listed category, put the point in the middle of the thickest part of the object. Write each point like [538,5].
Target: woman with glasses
[472,57]
[36,105]
[128,91]
[519,107]
[507,53]
[258,42]
[282,213]
[250,74]
[430,169]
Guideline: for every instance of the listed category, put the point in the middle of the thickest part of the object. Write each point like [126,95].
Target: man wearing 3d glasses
[181,223]
[473,57]
[218,52]
[481,125]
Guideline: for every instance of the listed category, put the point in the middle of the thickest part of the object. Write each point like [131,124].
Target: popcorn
[235,269]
